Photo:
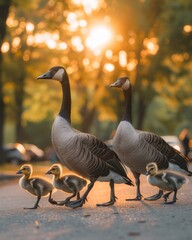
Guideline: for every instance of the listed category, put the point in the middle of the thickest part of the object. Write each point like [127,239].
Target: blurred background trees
[96,41]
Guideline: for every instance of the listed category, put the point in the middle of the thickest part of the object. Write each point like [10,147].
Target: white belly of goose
[116,178]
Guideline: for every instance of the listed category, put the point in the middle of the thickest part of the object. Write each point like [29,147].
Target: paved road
[125,220]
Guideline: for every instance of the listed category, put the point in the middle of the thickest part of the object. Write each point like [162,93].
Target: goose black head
[122,82]
[55,73]
[25,170]
[151,169]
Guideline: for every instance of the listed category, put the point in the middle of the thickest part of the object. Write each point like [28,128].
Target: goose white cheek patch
[126,85]
[59,75]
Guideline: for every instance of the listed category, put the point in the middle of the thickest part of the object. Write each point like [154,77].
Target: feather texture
[81,152]
[137,148]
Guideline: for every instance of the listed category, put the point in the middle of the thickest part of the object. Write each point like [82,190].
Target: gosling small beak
[46,75]
[19,172]
[48,172]
[147,173]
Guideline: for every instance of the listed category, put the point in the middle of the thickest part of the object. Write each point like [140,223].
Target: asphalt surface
[124,220]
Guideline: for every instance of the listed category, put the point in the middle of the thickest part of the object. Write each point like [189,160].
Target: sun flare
[98,37]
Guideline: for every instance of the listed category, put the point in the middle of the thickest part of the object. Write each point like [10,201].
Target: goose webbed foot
[174,201]
[75,204]
[53,201]
[112,196]
[83,199]
[36,204]
[155,197]
[137,198]
[174,197]
[61,203]
[34,207]
[111,202]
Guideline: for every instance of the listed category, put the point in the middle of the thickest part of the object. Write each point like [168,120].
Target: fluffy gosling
[165,180]
[68,183]
[35,185]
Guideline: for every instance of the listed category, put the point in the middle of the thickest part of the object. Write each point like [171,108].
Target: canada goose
[68,183]
[138,148]
[35,185]
[165,180]
[81,152]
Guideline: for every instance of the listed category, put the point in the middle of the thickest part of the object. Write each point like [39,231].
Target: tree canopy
[97,41]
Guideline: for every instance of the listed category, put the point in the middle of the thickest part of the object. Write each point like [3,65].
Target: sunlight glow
[86,62]
[5,47]
[30,40]
[63,46]
[187,28]
[88,5]
[98,37]
[51,43]
[109,54]
[109,67]
[151,45]
[30,27]
[11,22]
[16,42]
[77,43]
[123,58]
[131,65]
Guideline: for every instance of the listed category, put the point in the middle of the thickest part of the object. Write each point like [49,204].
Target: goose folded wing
[103,154]
[172,155]
[155,149]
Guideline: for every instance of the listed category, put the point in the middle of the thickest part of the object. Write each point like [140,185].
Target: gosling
[165,180]
[68,183]
[35,185]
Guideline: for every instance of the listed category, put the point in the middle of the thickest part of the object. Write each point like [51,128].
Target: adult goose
[81,152]
[68,183]
[165,180]
[138,148]
[36,186]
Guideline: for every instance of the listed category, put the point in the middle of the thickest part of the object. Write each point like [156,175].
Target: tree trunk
[4,11]
[19,96]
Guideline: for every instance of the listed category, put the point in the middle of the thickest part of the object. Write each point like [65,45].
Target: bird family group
[84,154]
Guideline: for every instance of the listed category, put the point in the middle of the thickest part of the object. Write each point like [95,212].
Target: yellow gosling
[36,186]
[68,183]
[165,180]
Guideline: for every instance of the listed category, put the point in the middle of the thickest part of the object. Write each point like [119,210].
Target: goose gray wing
[103,159]
[152,147]
[170,154]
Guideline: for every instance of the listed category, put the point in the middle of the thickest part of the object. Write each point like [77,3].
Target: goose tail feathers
[182,161]
[128,181]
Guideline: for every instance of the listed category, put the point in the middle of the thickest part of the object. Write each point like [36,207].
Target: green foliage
[152,37]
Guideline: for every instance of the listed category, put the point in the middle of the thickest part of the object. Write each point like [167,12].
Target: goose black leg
[36,204]
[166,196]
[51,199]
[174,198]
[81,201]
[155,197]
[112,197]
[137,183]
[78,196]
[61,203]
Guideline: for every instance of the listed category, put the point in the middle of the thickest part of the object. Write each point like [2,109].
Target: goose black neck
[65,110]
[127,114]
